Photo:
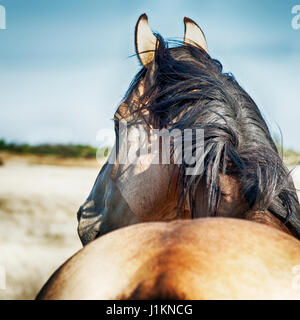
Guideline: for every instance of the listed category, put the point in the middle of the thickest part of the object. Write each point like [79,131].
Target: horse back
[210,258]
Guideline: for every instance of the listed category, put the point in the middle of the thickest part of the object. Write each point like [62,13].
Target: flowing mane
[188,89]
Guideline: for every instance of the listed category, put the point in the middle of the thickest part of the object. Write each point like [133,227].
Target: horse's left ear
[145,41]
[194,35]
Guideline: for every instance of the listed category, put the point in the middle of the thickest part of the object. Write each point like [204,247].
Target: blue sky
[65,66]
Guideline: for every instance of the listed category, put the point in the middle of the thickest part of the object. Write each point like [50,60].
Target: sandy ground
[38,205]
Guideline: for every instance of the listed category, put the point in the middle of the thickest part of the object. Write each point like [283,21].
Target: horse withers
[209,258]
[179,88]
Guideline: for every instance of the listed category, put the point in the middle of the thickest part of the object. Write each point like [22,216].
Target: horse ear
[194,35]
[145,41]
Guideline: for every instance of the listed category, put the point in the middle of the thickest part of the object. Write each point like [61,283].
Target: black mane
[189,90]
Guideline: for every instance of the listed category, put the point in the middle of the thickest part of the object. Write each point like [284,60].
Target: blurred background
[65,66]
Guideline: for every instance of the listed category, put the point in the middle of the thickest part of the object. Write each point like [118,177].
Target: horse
[241,175]
[139,239]
[208,258]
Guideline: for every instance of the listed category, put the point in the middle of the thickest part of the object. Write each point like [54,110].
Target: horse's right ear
[145,41]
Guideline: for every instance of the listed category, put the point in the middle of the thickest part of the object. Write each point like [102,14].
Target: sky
[66,64]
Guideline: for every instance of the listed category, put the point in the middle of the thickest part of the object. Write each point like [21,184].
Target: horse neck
[267,218]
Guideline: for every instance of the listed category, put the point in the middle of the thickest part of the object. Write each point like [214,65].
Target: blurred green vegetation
[290,156]
[60,150]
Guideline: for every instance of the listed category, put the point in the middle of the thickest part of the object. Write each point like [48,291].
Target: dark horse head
[178,88]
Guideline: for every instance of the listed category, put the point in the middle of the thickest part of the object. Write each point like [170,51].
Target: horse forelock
[188,89]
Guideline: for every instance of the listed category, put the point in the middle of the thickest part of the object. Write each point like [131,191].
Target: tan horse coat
[207,258]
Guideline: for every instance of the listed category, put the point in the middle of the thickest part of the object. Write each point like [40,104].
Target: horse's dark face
[183,88]
[125,194]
